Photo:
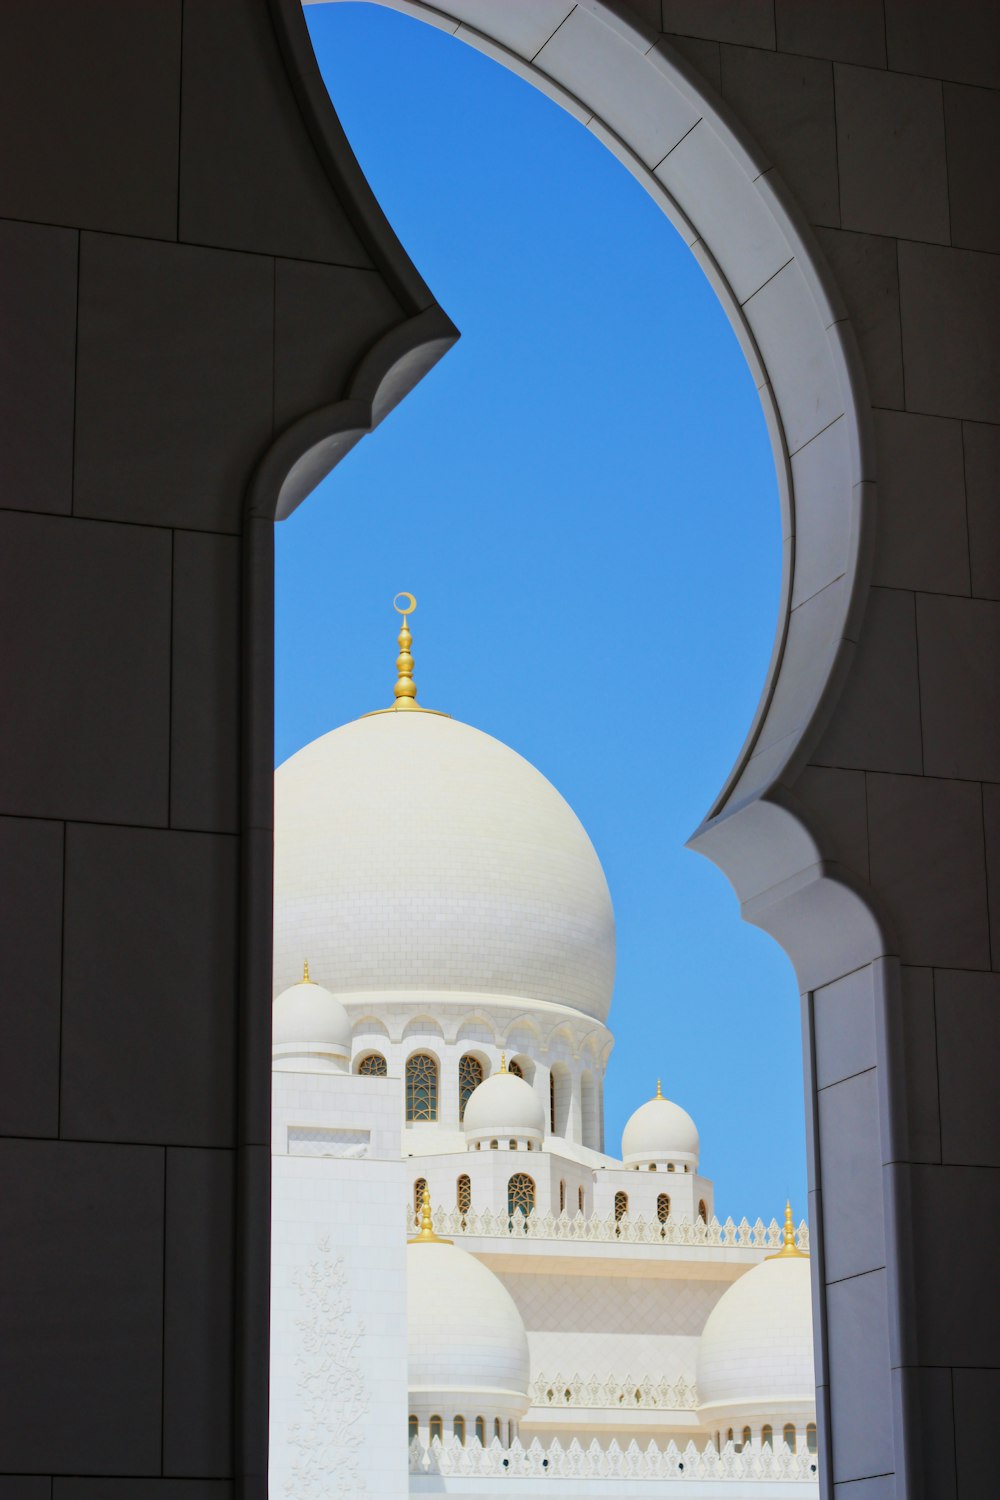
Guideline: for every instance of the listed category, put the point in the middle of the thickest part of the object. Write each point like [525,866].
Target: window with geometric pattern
[481,1430]
[621,1206]
[702,1211]
[421,1087]
[520,1193]
[767,1436]
[436,1427]
[458,1426]
[552,1103]
[470,1076]
[418,1198]
[562,1196]
[373,1066]
[516,1069]
[463,1194]
[663,1207]
[789,1435]
[579,1199]
[811,1436]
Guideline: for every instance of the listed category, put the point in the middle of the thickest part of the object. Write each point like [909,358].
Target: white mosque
[562,1321]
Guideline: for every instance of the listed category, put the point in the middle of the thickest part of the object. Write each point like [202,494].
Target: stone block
[31,855]
[961,43]
[972,118]
[850,1159]
[37,366]
[976,1393]
[174,383]
[149,1001]
[921,537]
[951,1321]
[92,139]
[982,484]
[959,651]
[865,268]
[914,1099]
[82,1230]
[787,102]
[835,801]
[843,30]
[890,138]
[950,315]
[876,724]
[88,688]
[929,1394]
[747,23]
[807,391]
[205,683]
[967,1011]
[860,1390]
[927,865]
[845,1028]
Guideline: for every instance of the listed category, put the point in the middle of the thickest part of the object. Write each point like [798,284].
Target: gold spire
[427,1235]
[405,691]
[789,1250]
[305,972]
[659,1091]
[503,1062]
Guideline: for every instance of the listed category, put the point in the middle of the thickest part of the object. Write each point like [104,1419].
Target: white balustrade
[751,1462]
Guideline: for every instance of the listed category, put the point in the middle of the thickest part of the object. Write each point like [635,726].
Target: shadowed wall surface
[203,308]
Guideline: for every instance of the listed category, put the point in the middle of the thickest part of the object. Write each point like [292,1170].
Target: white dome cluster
[468,1349]
[755,1355]
[310,1030]
[504,1107]
[413,852]
[662,1135]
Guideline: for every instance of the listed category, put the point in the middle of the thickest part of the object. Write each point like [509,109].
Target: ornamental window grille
[520,1194]
[463,1194]
[579,1198]
[421,1087]
[481,1430]
[663,1207]
[811,1444]
[470,1076]
[418,1198]
[552,1103]
[767,1436]
[702,1211]
[414,1427]
[621,1206]
[374,1066]
[437,1429]
[515,1068]
[562,1196]
[789,1436]
[459,1426]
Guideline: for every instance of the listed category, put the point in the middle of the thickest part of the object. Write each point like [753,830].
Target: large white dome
[504,1105]
[468,1351]
[659,1132]
[755,1355]
[413,852]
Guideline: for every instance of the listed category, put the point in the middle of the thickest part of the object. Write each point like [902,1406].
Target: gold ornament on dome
[427,1235]
[789,1249]
[405,690]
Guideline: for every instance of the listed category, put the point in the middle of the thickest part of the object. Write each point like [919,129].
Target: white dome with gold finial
[310,1029]
[506,1107]
[413,852]
[660,1134]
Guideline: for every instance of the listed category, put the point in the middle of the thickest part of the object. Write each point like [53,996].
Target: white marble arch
[622,80]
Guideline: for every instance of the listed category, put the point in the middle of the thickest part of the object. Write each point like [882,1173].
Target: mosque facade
[471,1295]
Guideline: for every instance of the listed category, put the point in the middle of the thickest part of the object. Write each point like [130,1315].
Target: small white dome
[468,1351]
[309,1023]
[755,1355]
[660,1132]
[504,1105]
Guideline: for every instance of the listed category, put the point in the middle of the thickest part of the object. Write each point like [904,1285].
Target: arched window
[702,1211]
[789,1436]
[652,1166]
[421,1087]
[470,1076]
[767,1436]
[496,1428]
[481,1430]
[562,1195]
[663,1207]
[670,1166]
[747,1436]
[510,1433]
[515,1067]
[520,1193]
[463,1194]
[373,1066]
[418,1198]
[459,1429]
[811,1444]
[414,1427]
[621,1206]
[579,1199]
[729,1435]
[552,1103]
[494,1145]
[437,1429]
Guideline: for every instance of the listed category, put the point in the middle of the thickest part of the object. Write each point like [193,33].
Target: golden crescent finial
[305,972]
[659,1090]
[405,691]
[427,1235]
[410,606]
[789,1250]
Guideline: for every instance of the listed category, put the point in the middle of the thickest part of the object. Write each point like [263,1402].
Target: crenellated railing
[484,1224]
[575,1461]
[625,1394]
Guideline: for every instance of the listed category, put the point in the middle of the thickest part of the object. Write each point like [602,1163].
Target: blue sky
[582,497]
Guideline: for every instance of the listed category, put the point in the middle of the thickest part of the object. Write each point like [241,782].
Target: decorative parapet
[594,1462]
[621,1395]
[483,1224]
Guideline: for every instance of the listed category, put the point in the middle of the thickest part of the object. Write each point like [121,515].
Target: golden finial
[789,1249]
[405,691]
[305,972]
[659,1090]
[503,1062]
[427,1235]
